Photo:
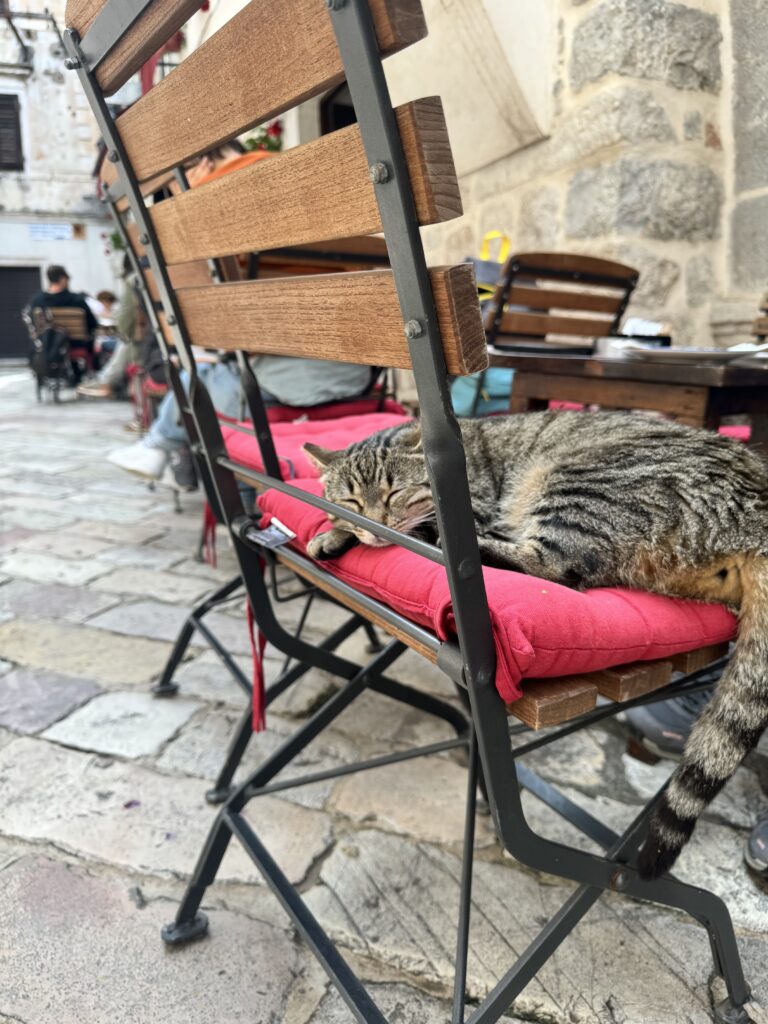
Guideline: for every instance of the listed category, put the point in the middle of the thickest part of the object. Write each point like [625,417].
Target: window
[11,156]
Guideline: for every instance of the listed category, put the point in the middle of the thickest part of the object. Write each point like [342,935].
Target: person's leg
[110,377]
[148,457]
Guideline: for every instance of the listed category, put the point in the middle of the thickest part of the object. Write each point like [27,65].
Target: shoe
[182,466]
[94,390]
[134,427]
[140,459]
[664,728]
[756,850]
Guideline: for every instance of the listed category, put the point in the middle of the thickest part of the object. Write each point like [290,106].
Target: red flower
[275,130]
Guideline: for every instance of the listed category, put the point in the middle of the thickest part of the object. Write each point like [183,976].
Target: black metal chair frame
[469,661]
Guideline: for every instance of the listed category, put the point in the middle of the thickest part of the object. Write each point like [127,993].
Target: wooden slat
[551,701]
[546,298]
[70,320]
[573,263]
[540,325]
[353,605]
[267,58]
[148,33]
[690,661]
[317,191]
[354,318]
[628,681]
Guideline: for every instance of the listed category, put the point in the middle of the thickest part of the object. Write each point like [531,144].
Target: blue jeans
[223,383]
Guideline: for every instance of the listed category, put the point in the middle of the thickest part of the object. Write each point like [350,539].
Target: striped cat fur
[600,500]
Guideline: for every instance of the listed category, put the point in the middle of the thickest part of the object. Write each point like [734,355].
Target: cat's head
[386,482]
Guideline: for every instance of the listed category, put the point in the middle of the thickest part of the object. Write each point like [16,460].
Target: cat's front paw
[331,544]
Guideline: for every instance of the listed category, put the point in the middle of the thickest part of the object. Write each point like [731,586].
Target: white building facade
[49,212]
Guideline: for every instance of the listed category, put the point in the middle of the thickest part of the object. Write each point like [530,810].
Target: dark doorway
[17,286]
[336,110]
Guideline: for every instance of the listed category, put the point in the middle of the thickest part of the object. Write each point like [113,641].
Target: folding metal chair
[391,172]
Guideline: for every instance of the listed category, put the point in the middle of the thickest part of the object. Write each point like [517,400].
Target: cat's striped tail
[728,728]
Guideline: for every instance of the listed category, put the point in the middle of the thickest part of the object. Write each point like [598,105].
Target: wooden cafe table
[700,395]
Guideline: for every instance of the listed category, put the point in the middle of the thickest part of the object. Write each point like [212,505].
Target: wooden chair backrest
[70,321]
[318,192]
[558,296]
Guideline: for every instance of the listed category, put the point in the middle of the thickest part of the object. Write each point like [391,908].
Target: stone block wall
[657,156]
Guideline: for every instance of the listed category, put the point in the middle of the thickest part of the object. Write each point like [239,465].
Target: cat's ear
[322,457]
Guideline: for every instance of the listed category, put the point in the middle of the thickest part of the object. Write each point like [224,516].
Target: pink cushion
[332,410]
[289,437]
[541,629]
[740,433]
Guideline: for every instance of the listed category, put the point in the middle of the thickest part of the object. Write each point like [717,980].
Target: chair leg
[190,923]
[165,687]
[237,746]
[187,924]
[465,897]
[374,641]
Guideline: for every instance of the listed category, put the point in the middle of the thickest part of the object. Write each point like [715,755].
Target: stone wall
[657,156]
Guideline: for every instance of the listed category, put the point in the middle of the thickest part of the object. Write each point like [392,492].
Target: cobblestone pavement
[102,811]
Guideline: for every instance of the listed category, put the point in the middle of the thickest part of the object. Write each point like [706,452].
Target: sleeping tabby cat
[601,500]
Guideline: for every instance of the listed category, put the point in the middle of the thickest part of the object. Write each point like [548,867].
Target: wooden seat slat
[296,58]
[691,661]
[354,318]
[628,681]
[553,701]
[148,33]
[320,190]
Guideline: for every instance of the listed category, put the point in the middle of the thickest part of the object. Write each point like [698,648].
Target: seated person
[283,380]
[58,294]
[112,379]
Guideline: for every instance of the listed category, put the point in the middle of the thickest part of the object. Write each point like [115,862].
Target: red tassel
[210,523]
[257,651]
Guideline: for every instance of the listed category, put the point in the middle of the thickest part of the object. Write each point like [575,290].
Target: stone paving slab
[64,545]
[119,533]
[81,651]
[200,748]
[52,601]
[125,724]
[44,568]
[423,799]
[43,520]
[88,954]
[163,586]
[394,901]
[138,557]
[162,621]
[31,700]
[123,814]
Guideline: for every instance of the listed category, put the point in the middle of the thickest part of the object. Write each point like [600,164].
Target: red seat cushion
[333,410]
[541,629]
[289,437]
